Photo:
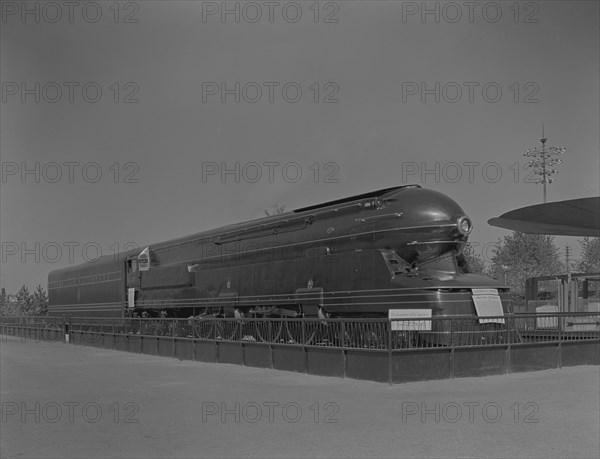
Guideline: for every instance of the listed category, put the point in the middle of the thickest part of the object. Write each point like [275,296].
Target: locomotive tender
[395,248]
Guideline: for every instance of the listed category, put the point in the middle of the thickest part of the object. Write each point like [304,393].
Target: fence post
[343,349]
[512,331]
[559,347]
[303,328]
[304,348]
[389,342]
[173,350]
[102,332]
[270,335]
[241,340]
[452,347]
[193,338]
[216,341]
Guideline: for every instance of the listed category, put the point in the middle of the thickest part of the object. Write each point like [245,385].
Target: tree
[275,210]
[475,262]
[590,255]
[24,302]
[521,256]
[40,301]
[4,305]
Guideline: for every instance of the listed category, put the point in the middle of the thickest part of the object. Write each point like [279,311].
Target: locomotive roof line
[265,223]
[271,223]
[372,194]
[302,217]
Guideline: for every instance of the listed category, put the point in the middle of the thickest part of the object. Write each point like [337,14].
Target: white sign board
[410,314]
[131,297]
[583,323]
[546,322]
[144,259]
[488,303]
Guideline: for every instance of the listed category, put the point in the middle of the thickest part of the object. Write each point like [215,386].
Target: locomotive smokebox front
[432,224]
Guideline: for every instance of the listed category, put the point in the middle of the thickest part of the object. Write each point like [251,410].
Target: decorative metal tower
[543,162]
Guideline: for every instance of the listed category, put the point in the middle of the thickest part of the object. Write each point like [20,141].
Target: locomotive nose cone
[423,206]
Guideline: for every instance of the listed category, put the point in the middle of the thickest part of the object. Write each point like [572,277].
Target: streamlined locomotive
[362,256]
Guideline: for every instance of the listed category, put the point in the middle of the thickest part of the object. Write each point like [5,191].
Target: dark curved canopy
[574,217]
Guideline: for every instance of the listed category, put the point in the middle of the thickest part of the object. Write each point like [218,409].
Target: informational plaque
[410,314]
[488,303]
[144,259]
[583,323]
[131,297]
[545,321]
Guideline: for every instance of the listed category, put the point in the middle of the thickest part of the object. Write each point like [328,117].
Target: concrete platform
[60,400]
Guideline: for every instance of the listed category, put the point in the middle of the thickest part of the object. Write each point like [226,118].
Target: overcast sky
[128,114]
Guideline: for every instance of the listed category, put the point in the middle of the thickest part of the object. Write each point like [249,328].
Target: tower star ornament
[544,161]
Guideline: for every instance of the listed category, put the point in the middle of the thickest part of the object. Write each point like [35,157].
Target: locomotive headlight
[465,226]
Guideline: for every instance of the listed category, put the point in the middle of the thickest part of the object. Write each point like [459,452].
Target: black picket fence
[395,334]
[377,349]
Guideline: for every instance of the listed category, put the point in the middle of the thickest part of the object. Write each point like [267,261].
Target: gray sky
[378,64]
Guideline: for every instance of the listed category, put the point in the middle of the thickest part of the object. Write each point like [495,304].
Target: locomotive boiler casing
[355,257]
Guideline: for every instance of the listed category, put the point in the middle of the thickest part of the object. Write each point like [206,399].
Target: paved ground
[61,400]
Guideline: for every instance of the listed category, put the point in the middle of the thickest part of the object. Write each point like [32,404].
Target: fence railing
[383,350]
[382,334]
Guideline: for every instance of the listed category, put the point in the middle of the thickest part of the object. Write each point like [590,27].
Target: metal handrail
[355,333]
